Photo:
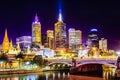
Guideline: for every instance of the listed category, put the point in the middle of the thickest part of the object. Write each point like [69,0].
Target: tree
[38,59]
[20,56]
[4,58]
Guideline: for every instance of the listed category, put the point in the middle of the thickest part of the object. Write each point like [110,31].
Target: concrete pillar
[73,62]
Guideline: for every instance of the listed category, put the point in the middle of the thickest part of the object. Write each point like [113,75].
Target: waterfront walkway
[19,71]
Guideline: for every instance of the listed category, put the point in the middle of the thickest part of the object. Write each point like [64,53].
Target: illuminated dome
[94,29]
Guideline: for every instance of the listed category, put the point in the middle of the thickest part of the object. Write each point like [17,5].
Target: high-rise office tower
[103,44]
[44,40]
[36,31]
[78,39]
[60,33]
[50,39]
[75,38]
[93,38]
[71,39]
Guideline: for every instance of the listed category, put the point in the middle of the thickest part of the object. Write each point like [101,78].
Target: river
[53,75]
[108,73]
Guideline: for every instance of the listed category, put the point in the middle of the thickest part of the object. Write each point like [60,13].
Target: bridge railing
[88,58]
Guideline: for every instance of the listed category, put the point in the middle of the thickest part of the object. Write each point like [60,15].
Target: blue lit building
[93,39]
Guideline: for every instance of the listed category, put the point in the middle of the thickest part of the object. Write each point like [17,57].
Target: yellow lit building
[36,31]
[50,39]
[103,44]
[60,33]
[75,39]
[5,43]
[11,49]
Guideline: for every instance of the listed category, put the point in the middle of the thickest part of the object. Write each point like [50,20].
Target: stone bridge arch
[102,63]
[69,64]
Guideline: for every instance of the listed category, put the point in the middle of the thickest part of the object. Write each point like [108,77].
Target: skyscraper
[75,38]
[36,31]
[60,33]
[71,39]
[78,39]
[93,38]
[5,44]
[103,44]
[50,39]
[44,40]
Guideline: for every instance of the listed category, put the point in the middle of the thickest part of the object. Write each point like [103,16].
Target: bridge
[84,65]
[108,61]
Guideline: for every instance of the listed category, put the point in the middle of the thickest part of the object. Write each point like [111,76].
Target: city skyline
[79,16]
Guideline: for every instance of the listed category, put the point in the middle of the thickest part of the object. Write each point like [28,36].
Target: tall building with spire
[60,33]
[36,31]
[5,43]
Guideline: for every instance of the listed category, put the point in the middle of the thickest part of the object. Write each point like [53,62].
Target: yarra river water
[57,75]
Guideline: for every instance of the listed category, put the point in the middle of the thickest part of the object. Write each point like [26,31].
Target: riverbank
[19,71]
[75,77]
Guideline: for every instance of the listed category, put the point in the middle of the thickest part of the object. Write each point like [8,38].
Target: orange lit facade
[5,43]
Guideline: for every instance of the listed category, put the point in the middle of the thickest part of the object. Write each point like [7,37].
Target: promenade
[19,71]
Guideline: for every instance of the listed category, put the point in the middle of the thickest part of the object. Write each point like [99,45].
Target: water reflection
[108,74]
[39,76]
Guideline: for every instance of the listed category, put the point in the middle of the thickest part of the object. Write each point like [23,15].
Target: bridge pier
[118,63]
[73,62]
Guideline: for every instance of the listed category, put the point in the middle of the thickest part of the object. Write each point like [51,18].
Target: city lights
[57,49]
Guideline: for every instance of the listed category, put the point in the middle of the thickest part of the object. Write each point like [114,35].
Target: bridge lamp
[53,65]
[59,65]
[63,65]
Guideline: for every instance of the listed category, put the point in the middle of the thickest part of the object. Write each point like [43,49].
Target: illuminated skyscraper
[93,38]
[5,44]
[36,31]
[75,38]
[78,39]
[50,39]
[60,33]
[103,44]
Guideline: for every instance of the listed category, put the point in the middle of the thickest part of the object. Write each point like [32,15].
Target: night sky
[18,16]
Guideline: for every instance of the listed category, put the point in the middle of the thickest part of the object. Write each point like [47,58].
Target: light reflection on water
[38,76]
[107,75]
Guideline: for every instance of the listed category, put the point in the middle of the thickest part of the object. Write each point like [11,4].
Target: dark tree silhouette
[20,56]
[38,59]
[4,58]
